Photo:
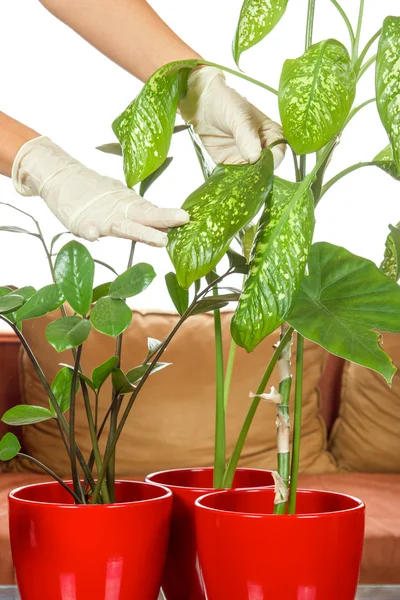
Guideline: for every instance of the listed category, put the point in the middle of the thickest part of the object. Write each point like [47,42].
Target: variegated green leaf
[388,82]
[257,19]
[277,265]
[218,209]
[316,92]
[385,161]
[391,260]
[145,128]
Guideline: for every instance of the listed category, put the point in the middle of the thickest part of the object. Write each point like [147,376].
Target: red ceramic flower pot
[182,578]
[247,553]
[62,551]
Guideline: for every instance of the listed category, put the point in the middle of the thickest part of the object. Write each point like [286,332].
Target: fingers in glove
[271,132]
[245,129]
[88,231]
[140,233]
[161,218]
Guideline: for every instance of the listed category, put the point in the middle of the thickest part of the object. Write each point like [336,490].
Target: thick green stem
[346,20]
[357,109]
[366,66]
[229,372]
[343,173]
[52,474]
[220,441]
[72,446]
[298,397]
[310,23]
[233,462]
[241,75]
[356,45]
[283,419]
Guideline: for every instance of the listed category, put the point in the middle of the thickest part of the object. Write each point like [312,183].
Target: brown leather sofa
[185,430]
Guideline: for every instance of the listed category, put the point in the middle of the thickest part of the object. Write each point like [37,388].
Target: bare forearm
[129,32]
[13,135]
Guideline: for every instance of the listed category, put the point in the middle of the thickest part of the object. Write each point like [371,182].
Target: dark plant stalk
[298,398]
[52,474]
[220,441]
[74,464]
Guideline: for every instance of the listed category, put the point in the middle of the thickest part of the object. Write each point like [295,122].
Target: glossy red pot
[63,551]
[182,577]
[247,553]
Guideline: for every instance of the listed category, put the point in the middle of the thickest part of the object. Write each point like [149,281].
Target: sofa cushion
[366,435]
[172,422]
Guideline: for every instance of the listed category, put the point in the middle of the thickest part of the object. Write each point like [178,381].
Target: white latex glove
[232,130]
[89,205]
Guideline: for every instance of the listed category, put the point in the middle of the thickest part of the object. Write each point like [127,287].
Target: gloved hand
[89,205]
[232,130]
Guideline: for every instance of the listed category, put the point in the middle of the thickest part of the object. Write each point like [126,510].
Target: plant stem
[52,474]
[229,372]
[238,74]
[343,173]
[220,441]
[72,446]
[346,20]
[283,420]
[234,459]
[366,48]
[357,109]
[310,23]
[298,397]
[366,66]
[356,44]
[296,167]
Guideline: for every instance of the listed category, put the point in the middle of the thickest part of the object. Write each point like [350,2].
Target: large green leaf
[41,303]
[5,290]
[111,316]
[388,82]
[343,300]
[133,281]
[218,209]
[26,415]
[74,273]
[277,264]
[316,92]
[145,128]
[61,388]
[102,372]
[178,295]
[10,302]
[385,161]
[391,260]
[257,19]
[9,446]
[67,332]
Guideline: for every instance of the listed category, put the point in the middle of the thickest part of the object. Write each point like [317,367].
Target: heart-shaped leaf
[385,161]
[100,291]
[111,316]
[74,273]
[9,446]
[178,295]
[391,260]
[133,281]
[218,209]
[148,182]
[316,92]
[67,332]
[257,19]
[61,388]
[145,128]
[343,300]
[26,415]
[10,302]
[102,372]
[388,83]
[41,303]
[277,265]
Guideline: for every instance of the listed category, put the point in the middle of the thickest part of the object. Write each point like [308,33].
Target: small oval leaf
[9,446]
[10,302]
[74,273]
[178,295]
[120,382]
[61,388]
[44,301]
[102,372]
[137,373]
[26,415]
[133,281]
[100,291]
[111,316]
[316,92]
[67,332]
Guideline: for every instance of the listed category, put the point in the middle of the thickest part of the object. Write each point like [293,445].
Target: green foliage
[120,382]
[68,332]
[102,372]
[136,374]
[391,260]
[214,302]
[9,446]
[133,281]
[61,388]
[145,128]
[343,300]
[10,302]
[124,384]
[74,273]
[110,316]
[277,265]
[257,19]
[316,92]
[388,82]
[385,161]
[44,301]
[218,209]
[178,295]
[100,291]
[26,415]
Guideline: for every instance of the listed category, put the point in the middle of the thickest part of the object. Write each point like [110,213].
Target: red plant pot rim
[200,503]
[13,496]
[149,479]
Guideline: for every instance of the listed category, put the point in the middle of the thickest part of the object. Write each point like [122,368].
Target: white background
[60,86]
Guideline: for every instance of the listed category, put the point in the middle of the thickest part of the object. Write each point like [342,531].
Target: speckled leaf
[316,92]
[388,82]
[257,19]
[277,265]
[342,301]
[145,128]
[385,161]
[391,260]
[218,209]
